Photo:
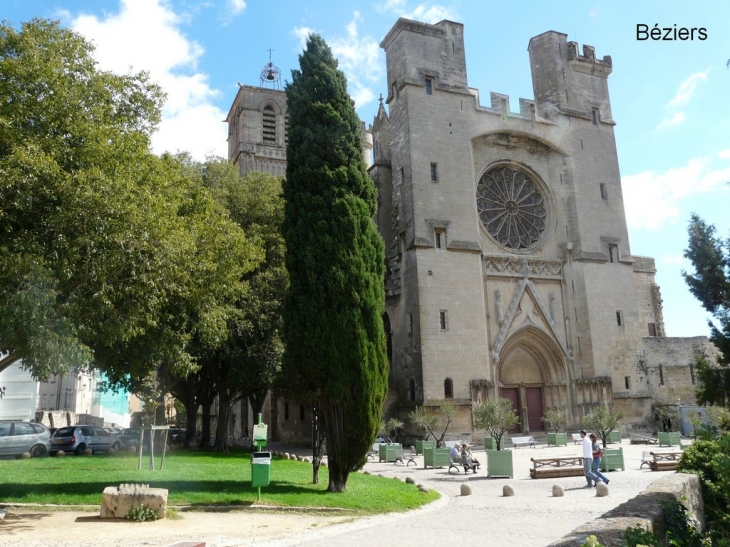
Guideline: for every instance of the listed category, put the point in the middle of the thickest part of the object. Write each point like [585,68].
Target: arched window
[448,389]
[269,124]
[412,390]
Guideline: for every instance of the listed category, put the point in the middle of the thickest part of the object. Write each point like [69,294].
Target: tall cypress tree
[335,357]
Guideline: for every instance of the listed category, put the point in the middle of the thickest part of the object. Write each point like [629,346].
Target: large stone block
[118,501]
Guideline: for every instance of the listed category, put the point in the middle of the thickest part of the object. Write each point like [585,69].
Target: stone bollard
[465,490]
[423,488]
[88,452]
[118,501]
[558,491]
[286,455]
[410,480]
[60,454]
[111,451]
[25,456]
[601,490]
[508,491]
[132,449]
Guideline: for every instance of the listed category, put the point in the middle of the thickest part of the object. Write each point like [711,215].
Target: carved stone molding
[514,266]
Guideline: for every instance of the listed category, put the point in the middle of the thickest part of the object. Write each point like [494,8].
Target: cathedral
[509,269]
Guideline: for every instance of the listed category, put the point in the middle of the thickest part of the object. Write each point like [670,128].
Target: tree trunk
[318,436]
[206,403]
[221,429]
[257,400]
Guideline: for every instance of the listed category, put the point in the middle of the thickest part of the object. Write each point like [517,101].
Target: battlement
[500,106]
[588,62]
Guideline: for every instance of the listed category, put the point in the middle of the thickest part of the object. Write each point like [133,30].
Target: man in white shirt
[455,453]
[588,460]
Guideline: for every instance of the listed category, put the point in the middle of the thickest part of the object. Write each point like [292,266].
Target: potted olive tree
[496,418]
[554,419]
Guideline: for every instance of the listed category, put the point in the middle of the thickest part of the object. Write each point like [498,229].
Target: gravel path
[531,518]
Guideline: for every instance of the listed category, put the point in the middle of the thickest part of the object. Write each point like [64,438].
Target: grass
[199,479]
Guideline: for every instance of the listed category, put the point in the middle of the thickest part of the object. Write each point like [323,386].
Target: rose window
[511,208]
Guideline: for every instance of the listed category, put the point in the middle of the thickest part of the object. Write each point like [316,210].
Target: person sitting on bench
[467,460]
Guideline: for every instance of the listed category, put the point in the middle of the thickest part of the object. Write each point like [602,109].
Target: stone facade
[509,269]
[509,266]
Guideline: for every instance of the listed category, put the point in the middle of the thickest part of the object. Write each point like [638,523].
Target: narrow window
[394,87]
[575,310]
[619,319]
[692,373]
[410,323]
[286,128]
[412,390]
[661,375]
[269,124]
[301,412]
[442,320]
[572,284]
[604,192]
[652,329]
[627,382]
[286,410]
[594,115]
[434,172]
[429,86]
[579,344]
[448,389]
[440,238]
[612,252]
[402,175]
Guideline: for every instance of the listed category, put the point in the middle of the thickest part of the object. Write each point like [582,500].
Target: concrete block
[118,501]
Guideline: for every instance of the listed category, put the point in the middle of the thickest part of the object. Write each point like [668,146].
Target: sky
[670,98]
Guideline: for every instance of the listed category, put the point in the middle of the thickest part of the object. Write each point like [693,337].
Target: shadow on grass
[36,493]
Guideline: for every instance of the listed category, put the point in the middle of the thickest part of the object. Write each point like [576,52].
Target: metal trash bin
[260,469]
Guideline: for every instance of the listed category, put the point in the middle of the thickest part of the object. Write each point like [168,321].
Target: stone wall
[645,510]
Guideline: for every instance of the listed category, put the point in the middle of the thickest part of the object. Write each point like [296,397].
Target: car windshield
[64,432]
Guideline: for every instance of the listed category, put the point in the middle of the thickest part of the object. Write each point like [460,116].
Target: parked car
[130,437]
[177,434]
[18,437]
[78,438]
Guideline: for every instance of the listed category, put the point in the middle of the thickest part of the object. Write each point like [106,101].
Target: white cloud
[426,12]
[725,154]
[301,34]
[686,89]
[676,259]
[651,198]
[236,7]
[359,59]
[145,35]
[683,96]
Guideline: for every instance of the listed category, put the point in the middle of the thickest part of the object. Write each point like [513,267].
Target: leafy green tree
[602,420]
[436,421]
[710,284]
[496,418]
[334,356]
[390,428]
[108,254]
[554,418]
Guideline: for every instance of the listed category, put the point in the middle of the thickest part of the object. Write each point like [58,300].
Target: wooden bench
[523,441]
[577,439]
[550,468]
[664,461]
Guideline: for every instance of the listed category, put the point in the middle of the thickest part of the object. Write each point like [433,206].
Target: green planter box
[670,439]
[613,458]
[557,439]
[390,452]
[490,443]
[499,463]
[421,446]
[436,457]
[614,437]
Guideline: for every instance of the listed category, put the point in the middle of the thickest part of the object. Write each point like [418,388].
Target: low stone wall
[645,509]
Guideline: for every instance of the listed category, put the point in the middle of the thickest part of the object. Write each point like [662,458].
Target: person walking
[597,455]
[588,460]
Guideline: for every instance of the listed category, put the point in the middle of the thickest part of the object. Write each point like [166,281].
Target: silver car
[78,438]
[19,437]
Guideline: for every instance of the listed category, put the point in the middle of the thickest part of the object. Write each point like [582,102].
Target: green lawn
[199,478]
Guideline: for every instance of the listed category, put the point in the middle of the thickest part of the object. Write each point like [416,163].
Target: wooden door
[534,408]
[513,394]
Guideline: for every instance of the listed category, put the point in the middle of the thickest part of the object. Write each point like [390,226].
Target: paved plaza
[533,517]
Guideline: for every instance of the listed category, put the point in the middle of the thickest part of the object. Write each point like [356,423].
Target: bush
[142,513]
[710,459]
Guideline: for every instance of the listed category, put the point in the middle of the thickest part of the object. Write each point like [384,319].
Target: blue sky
[670,99]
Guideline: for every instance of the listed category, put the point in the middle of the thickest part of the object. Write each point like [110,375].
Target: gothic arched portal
[532,373]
